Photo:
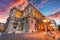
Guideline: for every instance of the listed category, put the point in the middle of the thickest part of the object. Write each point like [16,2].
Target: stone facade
[24,21]
[2,27]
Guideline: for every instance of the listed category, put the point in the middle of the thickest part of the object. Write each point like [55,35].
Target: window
[33,13]
[37,15]
[24,13]
[14,25]
[31,21]
[32,31]
[25,31]
[26,21]
[17,15]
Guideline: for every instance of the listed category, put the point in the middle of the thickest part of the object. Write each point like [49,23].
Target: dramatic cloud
[42,3]
[55,17]
[56,10]
[6,5]
[24,4]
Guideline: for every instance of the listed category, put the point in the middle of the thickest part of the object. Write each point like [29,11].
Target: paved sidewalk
[26,36]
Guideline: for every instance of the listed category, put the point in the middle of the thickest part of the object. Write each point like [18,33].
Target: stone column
[45,25]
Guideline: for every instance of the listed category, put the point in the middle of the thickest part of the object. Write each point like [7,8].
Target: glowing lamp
[51,24]
[46,20]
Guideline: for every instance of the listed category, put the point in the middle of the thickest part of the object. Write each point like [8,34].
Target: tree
[59,27]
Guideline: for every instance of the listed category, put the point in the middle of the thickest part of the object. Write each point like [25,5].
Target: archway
[40,26]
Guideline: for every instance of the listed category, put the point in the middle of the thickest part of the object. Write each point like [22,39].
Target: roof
[27,7]
[33,7]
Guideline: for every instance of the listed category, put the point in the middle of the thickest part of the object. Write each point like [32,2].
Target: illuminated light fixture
[51,24]
[46,20]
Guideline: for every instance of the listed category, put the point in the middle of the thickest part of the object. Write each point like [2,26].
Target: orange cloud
[55,17]
[19,2]
[23,4]
[3,18]
[56,10]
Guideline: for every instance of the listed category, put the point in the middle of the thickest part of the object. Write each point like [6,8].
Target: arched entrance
[14,27]
[40,26]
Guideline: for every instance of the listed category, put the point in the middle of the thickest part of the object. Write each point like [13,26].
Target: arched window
[32,21]
[17,15]
[24,13]
[14,25]
[34,13]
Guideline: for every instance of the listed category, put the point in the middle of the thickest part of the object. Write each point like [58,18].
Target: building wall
[10,26]
[26,25]
[26,19]
[32,25]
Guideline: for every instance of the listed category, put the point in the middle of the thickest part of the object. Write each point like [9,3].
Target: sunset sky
[46,7]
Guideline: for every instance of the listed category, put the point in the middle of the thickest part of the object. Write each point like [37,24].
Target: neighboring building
[29,20]
[2,27]
[53,24]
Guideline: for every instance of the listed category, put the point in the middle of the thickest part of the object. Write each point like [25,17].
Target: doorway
[40,27]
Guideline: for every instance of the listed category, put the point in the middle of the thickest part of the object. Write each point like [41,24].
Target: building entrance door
[40,27]
[14,27]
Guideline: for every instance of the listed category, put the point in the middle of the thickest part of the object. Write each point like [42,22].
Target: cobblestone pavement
[26,36]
